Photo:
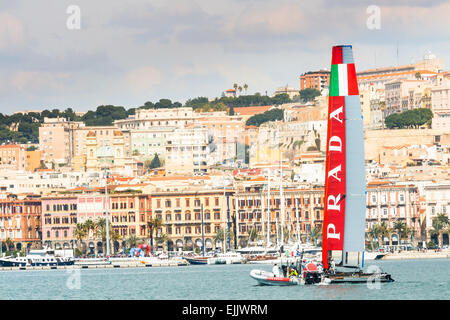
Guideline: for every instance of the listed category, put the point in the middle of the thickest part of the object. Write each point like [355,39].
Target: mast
[298,221]
[229,226]
[236,205]
[203,235]
[263,211]
[281,199]
[268,208]
[344,190]
[108,253]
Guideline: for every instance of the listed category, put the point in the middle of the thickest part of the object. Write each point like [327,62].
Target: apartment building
[181,216]
[315,80]
[187,151]
[59,219]
[20,222]
[57,140]
[13,157]
[150,118]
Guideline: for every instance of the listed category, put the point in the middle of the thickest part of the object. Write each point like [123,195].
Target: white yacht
[45,257]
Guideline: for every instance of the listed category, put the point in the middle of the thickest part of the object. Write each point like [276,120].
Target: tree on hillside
[156,163]
[409,118]
[309,94]
[269,115]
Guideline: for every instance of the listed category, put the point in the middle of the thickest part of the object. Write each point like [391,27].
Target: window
[217,215]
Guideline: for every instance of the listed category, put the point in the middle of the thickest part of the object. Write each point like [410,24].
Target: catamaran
[345,181]
[345,187]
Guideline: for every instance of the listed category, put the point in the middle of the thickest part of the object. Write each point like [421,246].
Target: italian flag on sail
[343,74]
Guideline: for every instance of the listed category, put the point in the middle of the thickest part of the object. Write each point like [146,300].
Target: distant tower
[119,150]
[91,150]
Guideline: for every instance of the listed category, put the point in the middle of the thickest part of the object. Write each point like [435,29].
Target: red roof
[249,111]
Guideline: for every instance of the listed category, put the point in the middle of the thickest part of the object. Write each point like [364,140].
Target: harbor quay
[102,266]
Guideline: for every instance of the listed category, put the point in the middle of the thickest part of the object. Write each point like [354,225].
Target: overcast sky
[131,51]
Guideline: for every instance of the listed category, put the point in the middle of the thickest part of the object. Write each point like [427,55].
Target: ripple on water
[414,279]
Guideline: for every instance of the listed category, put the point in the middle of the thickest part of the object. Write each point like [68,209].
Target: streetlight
[106,213]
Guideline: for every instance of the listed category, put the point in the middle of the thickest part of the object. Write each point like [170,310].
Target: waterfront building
[180,213]
[385,202]
[437,199]
[59,219]
[389,202]
[20,222]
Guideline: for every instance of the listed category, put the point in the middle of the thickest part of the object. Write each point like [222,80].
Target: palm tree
[443,218]
[235,86]
[240,90]
[9,244]
[252,234]
[100,231]
[163,238]
[153,224]
[89,225]
[245,87]
[437,229]
[400,228]
[223,233]
[132,241]
[80,233]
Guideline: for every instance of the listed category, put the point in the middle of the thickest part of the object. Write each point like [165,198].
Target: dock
[177,263]
[417,255]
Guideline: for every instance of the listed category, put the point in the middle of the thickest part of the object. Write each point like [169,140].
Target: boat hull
[268,279]
[6,263]
[359,278]
[196,261]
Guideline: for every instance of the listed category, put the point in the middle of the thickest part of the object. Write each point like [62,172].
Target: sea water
[414,279]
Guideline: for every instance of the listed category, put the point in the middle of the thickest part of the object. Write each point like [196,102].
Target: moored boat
[34,258]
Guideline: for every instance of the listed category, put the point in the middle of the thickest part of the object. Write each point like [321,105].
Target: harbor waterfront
[413,280]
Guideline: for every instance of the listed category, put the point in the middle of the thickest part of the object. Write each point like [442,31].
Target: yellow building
[181,216]
[33,160]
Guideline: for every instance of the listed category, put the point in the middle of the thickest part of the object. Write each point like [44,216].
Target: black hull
[359,277]
[4,263]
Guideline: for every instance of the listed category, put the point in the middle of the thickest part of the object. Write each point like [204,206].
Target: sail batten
[343,227]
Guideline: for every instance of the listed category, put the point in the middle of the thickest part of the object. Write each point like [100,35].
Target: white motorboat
[45,257]
[373,255]
[268,278]
[227,258]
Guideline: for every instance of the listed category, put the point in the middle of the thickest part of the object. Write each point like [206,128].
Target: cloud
[11,32]
[143,79]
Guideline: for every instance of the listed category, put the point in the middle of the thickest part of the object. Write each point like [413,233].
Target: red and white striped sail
[343,225]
